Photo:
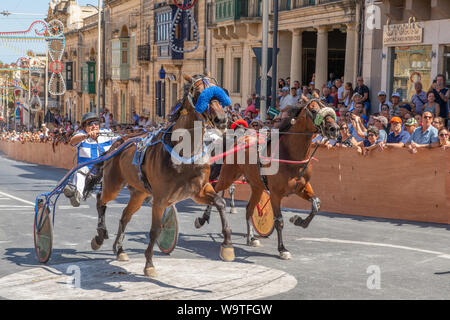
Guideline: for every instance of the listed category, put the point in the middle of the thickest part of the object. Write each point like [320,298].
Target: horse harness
[318,120]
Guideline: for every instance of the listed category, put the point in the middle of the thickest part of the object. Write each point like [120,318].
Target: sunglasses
[344,128]
[443,135]
[90,123]
[436,122]
[427,117]
[371,135]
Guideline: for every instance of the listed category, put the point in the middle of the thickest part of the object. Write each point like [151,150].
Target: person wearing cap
[425,136]
[395,108]
[90,145]
[411,125]
[405,110]
[397,137]
[380,124]
[382,99]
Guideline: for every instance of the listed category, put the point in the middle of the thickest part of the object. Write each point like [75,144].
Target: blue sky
[38,9]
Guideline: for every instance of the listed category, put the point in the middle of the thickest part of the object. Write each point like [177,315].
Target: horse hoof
[233,211]
[122,257]
[94,245]
[227,254]
[285,255]
[197,223]
[150,272]
[255,243]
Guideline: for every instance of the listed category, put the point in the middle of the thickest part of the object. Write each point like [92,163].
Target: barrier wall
[390,184]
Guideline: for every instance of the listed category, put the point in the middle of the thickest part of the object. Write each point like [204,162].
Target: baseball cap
[382,93]
[382,119]
[285,89]
[411,122]
[396,119]
[396,94]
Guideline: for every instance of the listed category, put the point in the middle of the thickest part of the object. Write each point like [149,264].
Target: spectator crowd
[418,123]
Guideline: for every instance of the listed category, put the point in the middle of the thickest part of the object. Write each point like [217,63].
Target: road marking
[5,198]
[377,244]
[177,279]
[12,206]
[83,206]
[16,198]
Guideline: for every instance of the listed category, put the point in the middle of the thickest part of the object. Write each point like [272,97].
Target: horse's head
[208,99]
[323,118]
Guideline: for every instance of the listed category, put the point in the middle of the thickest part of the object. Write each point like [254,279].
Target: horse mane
[293,112]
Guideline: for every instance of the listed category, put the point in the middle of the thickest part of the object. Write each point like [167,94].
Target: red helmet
[239,122]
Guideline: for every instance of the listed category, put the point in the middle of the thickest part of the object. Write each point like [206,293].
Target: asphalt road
[337,257]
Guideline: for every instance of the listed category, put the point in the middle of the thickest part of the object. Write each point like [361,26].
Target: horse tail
[93,179]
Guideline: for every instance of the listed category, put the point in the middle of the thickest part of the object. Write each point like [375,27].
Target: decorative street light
[162,73]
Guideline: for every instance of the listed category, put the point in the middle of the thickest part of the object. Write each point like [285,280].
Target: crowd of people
[419,123]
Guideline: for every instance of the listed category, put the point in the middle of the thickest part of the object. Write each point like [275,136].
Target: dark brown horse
[296,131]
[167,181]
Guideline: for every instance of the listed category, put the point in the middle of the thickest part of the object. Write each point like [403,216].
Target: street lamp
[99,49]
[162,76]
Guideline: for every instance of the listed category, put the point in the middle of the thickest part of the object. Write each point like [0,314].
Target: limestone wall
[391,184]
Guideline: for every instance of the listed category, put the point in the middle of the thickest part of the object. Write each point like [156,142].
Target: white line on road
[376,244]
[83,206]
[11,206]
[16,198]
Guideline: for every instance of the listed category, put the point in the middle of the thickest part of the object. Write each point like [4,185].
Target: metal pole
[264,59]
[99,50]
[29,100]
[46,84]
[7,104]
[104,59]
[273,101]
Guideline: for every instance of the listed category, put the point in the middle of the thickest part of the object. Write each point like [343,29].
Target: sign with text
[405,33]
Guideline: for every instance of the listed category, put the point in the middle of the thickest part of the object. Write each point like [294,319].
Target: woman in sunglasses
[91,142]
[345,139]
[443,136]
[370,142]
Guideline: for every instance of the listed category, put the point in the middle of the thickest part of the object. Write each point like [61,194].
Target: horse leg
[226,178]
[102,233]
[208,196]
[231,190]
[307,193]
[279,224]
[133,205]
[155,230]
[251,205]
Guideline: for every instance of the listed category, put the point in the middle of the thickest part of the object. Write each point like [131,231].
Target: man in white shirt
[382,99]
[284,100]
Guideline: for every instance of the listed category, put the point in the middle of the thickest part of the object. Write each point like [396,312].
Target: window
[237,75]
[220,63]
[163,24]
[410,64]
[147,83]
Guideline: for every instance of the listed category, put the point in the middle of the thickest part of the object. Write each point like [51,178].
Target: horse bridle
[317,118]
[206,82]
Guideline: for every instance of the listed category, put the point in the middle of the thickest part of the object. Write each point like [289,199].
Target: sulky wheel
[168,237]
[262,217]
[43,233]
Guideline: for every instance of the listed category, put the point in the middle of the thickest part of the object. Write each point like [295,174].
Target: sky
[35,10]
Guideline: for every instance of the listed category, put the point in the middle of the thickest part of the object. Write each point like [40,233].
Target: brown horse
[296,131]
[167,181]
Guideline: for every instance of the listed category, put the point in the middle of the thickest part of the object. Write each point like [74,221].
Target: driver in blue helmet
[91,142]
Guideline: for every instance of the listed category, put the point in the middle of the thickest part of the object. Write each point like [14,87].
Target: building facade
[409,43]
[314,36]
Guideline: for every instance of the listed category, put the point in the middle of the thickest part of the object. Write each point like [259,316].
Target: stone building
[314,36]
[408,41]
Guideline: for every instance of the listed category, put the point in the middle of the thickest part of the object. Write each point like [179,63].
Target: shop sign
[405,33]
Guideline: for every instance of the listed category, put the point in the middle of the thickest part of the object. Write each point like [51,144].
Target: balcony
[144,53]
[304,3]
[237,9]
[121,72]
